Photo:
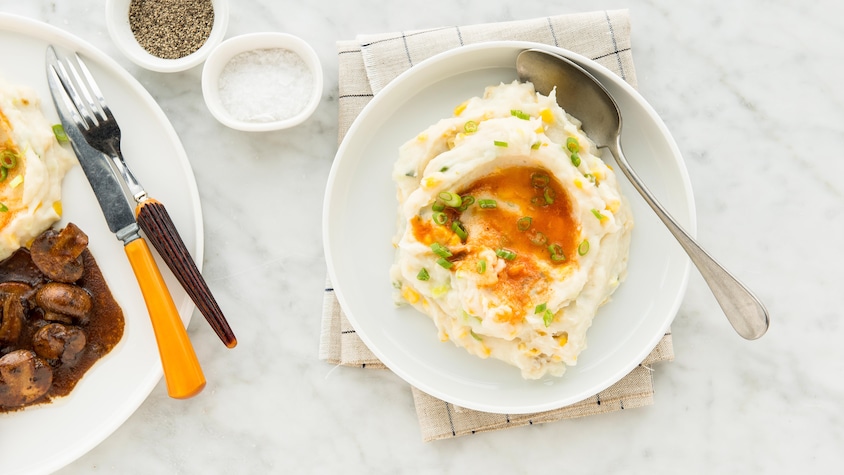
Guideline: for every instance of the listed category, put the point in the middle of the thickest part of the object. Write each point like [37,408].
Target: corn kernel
[460,108]
[57,207]
[486,351]
[410,295]
[563,339]
[422,137]
[578,183]
[430,182]
[613,206]
[547,116]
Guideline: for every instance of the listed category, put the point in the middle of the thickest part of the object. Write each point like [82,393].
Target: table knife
[182,372]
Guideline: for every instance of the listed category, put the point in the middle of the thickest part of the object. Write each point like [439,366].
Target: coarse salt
[265,85]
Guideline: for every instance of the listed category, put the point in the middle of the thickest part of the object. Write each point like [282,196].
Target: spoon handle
[745,312]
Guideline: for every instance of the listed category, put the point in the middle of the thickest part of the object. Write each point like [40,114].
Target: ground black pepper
[171,29]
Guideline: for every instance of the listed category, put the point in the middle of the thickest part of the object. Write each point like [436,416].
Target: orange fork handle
[181,367]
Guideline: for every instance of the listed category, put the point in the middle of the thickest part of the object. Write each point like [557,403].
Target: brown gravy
[103,328]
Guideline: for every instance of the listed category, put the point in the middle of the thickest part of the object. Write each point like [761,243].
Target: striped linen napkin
[366,65]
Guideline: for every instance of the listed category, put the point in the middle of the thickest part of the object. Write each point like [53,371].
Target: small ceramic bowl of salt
[262,81]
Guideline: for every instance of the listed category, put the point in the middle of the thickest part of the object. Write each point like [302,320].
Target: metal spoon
[582,96]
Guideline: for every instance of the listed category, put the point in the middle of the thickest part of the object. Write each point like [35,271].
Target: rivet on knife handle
[154,219]
[181,367]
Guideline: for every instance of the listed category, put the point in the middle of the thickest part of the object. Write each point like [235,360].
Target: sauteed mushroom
[55,341]
[13,315]
[24,377]
[66,299]
[57,318]
[59,254]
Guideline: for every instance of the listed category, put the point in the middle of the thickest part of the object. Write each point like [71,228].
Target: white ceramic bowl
[221,56]
[117,19]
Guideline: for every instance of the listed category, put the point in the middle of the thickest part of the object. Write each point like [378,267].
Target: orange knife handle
[161,232]
[181,367]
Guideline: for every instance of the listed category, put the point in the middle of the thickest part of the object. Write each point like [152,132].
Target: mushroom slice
[24,378]
[13,315]
[59,254]
[55,341]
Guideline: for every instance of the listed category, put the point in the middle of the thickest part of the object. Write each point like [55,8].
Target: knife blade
[182,371]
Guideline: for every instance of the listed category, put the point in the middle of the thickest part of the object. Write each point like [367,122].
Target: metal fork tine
[86,120]
[71,107]
[88,108]
[95,89]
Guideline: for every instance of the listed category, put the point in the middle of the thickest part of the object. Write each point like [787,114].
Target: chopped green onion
[440,290]
[598,214]
[572,144]
[459,230]
[411,173]
[575,159]
[536,146]
[4,172]
[539,180]
[548,318]
[520,114]
[423,274]
[440,250]
[466,201]
[444,263]
[3,208]
[439,217]
[60,134]
[450,199]
[470,127]
[589,177]
[487,204]
[499,143]
[481,266]
[556,251]
[524,223]
[505,254]
[539,239]
[437,206]
[8,159]
[549,195]
[583,248]
[475,335]
[444,169]
[540,308]
[538,201]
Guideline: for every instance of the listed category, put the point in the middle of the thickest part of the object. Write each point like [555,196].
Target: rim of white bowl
[117,21]
[228,49]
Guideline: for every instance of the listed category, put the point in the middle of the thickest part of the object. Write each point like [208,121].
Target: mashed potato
[34,165]
[511,230]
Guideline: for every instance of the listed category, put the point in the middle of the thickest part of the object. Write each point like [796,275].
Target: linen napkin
[370,62]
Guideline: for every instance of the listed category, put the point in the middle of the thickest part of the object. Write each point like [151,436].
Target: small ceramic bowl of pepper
[262,81]
[167,35]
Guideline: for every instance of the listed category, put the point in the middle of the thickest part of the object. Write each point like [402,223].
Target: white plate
[360,219]
[43,439]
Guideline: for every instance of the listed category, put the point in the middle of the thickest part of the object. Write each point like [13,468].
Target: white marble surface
[751,92]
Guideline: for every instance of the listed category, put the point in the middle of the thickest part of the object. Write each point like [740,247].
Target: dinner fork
[102,132]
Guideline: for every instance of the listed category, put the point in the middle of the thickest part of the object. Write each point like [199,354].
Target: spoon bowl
[583,96]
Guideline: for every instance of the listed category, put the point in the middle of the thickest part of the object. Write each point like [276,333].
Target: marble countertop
[751,93]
